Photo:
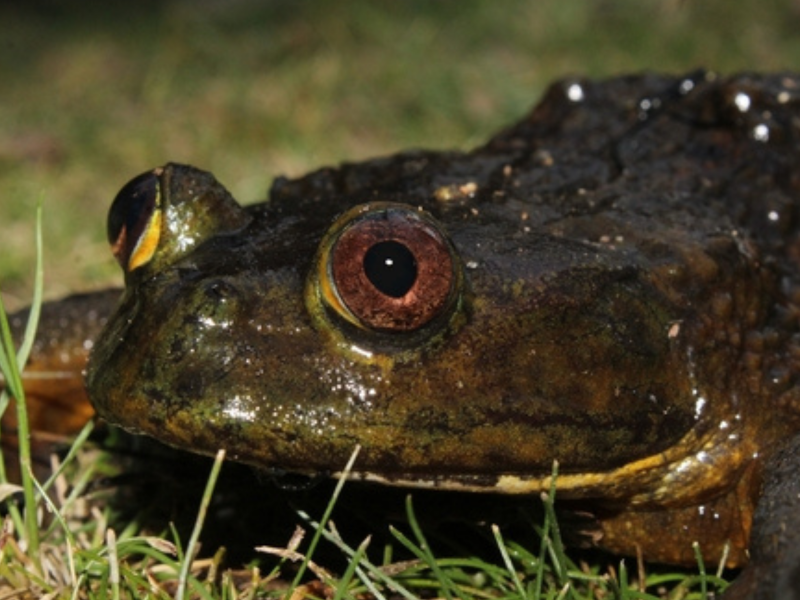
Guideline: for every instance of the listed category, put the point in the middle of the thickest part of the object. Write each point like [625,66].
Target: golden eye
[134,221]
[388,268]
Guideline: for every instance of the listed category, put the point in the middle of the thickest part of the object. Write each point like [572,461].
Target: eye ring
[387,267]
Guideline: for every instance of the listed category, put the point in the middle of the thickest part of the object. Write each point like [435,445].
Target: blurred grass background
[94,92]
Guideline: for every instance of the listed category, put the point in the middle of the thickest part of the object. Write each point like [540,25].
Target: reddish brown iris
[393,270]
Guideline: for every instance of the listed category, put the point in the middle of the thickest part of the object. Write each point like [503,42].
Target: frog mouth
[693,469]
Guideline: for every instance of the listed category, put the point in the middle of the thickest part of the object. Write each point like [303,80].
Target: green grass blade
[366,570]
[8,363]
[501,545]
[554,543]
[113,563]
[347,577]
[448,586]
[11,368]
[701,565]
[38,293]
[545,534]
[323,521]
[198,526]
[74,448]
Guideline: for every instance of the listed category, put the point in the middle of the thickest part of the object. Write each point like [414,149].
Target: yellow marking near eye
[329,293]
[146,246]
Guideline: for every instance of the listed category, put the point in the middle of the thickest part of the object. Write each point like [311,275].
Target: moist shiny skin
[616,288]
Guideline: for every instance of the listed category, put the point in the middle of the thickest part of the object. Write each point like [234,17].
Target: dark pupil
[132,207]
[391,268]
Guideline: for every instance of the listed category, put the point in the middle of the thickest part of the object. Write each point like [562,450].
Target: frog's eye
[134,221]
[389,268]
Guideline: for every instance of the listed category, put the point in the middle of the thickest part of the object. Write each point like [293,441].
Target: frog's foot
[774,569]
[580,528]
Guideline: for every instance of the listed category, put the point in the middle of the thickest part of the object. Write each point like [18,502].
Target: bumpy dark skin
[623,298]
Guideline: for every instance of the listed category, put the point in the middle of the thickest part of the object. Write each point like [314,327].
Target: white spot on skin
[211,323]
[575,93]
[363,352]
[742,102]
[237,409]
[761,133]
[773,216]
[698,407]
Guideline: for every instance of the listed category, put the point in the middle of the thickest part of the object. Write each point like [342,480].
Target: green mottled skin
[628,307]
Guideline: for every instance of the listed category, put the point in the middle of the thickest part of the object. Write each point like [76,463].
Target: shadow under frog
[612,284]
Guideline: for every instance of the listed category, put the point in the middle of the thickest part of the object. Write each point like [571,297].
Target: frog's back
[699,153]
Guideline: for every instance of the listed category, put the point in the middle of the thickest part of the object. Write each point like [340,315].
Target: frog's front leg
[53,375]
[774,569]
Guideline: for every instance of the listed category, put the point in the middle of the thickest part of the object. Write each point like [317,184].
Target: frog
[609,286]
